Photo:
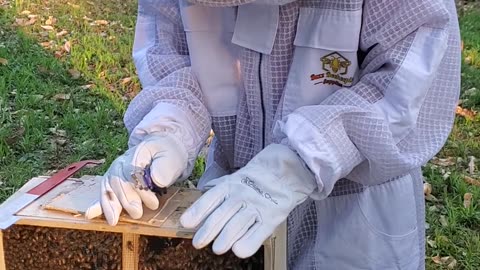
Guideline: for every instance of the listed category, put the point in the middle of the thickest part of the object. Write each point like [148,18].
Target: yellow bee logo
[335,63]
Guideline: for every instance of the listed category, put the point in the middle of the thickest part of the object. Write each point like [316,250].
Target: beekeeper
[323,111]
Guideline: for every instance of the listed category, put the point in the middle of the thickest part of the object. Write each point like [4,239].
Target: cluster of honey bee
[176,254]
[40,248]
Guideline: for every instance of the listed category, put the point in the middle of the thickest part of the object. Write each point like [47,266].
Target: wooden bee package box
[52,233]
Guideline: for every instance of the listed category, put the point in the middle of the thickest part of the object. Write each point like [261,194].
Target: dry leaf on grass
[67,46]
[51,20]
[447,260]
[74,73]
[3,61]
[62,33]
[47,27]
[443,221]
[101,22]
[431,198]
[468,60]
[73,5]
[87,86]
[444,162]
[468,114]
[58,132]
[25,12]
[471,181]
[61,97]
[437,259]
[467,200]
[471,165]
[24,22]
[427,189]
[126,80]
[46,44]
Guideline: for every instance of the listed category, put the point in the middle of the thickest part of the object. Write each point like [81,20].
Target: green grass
[89,124]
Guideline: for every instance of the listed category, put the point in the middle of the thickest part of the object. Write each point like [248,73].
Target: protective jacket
[364,91]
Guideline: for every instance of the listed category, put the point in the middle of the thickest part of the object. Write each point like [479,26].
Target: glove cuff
[286,166]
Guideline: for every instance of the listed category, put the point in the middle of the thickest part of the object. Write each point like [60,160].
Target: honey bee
[336,63]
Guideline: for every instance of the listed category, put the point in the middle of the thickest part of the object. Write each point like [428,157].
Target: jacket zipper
[261,99]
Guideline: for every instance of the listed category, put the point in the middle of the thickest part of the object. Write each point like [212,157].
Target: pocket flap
[198,18]
[335,30]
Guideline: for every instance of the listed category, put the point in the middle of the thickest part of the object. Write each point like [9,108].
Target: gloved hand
[243,209]
[119,190]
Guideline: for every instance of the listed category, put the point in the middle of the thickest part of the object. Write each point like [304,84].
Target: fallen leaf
[58,54]
[3,61]
[73,5]
[30,22]
[101,22]
[468,60]
[87,86]
[61,97]
[427,189]
[444,162]
[126,80]
[471,165]
[437,259]
[74,73]
[46,44]
[60,142]
[452,264]
[32,16]
[58,132]
[471,181]
[443,221]
[445,259]
[446,175]
[468,114]
[25,12]
[433,208]
[47,27]
[50,20]
[1,183]
[87,18]
[19,22]
[467,200]
[67,46]
[432,243]
[62,33]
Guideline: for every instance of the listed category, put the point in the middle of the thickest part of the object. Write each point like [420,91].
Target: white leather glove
[167,159]
[243,209]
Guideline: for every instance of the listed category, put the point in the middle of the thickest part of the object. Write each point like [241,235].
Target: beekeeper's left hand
[243,209]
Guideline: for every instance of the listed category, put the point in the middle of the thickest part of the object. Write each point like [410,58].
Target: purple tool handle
[149,182]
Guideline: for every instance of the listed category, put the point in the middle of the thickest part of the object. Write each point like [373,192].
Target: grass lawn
[66,75]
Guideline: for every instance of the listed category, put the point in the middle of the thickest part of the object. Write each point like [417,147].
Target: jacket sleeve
[400,113]
[171,101]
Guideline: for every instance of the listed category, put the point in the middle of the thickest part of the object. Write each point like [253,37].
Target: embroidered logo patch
[336,67]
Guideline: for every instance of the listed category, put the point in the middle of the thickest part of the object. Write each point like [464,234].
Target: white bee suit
[362,91]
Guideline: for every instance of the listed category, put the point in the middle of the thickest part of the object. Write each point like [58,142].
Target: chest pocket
[214,58]
[325,57]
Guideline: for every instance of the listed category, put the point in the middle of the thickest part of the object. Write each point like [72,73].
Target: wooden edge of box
[3,264]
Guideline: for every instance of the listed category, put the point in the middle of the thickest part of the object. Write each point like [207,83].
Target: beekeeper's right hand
[167,159]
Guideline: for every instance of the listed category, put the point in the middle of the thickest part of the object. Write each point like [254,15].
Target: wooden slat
[280,248]
[130,251]
[3,265]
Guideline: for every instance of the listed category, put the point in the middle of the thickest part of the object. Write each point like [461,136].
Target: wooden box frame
[34,215]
